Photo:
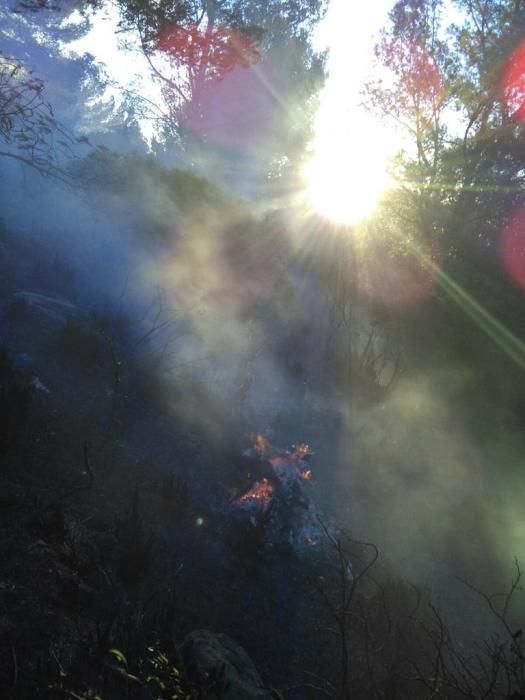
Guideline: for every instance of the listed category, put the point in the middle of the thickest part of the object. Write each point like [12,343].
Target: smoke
[235,323]
[440,505]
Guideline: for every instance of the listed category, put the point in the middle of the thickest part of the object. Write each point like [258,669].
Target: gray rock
[57,309]
[221,668]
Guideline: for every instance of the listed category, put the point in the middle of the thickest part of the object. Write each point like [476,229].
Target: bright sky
[348,171]
[120,58]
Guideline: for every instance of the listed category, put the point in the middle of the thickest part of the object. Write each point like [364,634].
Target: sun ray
[507,341]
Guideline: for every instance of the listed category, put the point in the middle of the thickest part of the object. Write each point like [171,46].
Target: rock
[221,668]
[57,309]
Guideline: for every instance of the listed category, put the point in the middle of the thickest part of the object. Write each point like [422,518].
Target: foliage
[447,91]
[206,39]
[460,179]
[152,676]
[28,127]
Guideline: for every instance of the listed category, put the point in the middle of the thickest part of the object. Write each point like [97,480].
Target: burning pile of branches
[279,499]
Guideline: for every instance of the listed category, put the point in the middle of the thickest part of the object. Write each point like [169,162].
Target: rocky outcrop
[221,668]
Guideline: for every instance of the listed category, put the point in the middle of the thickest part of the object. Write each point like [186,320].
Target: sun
[345,187]
[347,173]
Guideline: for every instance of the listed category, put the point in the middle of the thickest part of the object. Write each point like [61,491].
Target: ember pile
[279,500]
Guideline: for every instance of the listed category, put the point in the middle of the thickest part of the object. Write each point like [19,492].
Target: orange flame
[300,451]
[261,445]
[260,493]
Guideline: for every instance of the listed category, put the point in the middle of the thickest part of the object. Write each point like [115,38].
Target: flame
[261,445]
[291,462]
[260,494]
[300,451]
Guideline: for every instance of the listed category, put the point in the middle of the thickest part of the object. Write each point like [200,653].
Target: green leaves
[119,656]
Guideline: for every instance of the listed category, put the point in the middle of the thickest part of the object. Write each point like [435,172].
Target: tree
[204,39]
[456,214]
[238,78]
[449,92]
[233,72]
[455,89]
[28,127]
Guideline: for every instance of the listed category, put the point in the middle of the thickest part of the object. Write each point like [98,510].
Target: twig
[15,673]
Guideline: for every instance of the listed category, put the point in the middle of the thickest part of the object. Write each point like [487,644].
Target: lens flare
[399,278]
[513,83]
[233,87]
[512,247]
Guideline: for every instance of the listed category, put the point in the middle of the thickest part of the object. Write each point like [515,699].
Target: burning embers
[278,498]
[260,495]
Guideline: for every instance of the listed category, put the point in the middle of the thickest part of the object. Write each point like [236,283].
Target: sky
[352,147]
[118,56]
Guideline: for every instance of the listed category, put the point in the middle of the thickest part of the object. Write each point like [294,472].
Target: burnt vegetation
[111,558]
[132,530]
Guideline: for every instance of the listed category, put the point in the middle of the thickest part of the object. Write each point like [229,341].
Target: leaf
[119,656]
[122,672]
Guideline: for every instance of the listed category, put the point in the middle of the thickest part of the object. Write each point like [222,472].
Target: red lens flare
[512,247]
[212,51]
[230,85]
[399,277]
[513,83]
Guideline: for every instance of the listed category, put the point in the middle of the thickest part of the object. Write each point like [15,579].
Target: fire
[260,494]
[300,452]
[291,462]
[280,478]
[261,445]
